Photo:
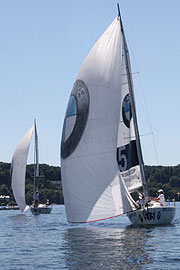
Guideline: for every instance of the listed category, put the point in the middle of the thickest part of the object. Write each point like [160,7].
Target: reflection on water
[103,248]
[48,242]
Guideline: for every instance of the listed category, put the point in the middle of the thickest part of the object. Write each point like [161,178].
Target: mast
[36,160]
[132,100]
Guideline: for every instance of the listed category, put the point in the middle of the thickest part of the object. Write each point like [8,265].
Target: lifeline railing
[169,201]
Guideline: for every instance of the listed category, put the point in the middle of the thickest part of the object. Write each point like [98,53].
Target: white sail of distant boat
[38,208]
[18,170]
[101,157]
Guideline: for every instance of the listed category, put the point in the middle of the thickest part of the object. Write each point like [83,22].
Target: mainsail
[18,170]
[127,155]
[93,187]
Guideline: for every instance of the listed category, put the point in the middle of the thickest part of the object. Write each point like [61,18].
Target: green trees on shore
[49,183]
[50,187]
[165,177]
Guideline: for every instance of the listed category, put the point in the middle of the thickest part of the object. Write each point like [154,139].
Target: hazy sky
[42,46]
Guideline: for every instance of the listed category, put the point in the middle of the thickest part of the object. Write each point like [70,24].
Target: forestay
[18,170]
[92,184]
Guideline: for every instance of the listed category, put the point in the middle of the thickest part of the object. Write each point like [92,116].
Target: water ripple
[49,242]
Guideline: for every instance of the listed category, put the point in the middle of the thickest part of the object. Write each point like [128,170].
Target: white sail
[18,170]
[92,184]
[126,147]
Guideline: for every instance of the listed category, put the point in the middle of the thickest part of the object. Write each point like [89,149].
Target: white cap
[160,190]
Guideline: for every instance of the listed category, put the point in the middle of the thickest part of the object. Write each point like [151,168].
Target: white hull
[41,209]
[152,215]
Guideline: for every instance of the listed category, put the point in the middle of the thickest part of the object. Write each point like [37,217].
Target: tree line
[164,177]
[50,186]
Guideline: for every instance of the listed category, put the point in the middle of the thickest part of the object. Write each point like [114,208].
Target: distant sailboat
[18,171]
[101,158]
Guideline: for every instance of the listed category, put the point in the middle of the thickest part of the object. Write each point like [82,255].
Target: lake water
[49,242]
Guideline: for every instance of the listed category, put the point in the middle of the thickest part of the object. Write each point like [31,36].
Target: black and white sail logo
[127,154]
[75,119]
[126,111]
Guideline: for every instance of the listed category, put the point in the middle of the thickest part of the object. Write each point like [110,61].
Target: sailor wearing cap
[161,198]
[141,202]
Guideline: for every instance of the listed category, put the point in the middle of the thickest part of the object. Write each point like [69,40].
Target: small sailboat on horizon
[101,157]
[18,171]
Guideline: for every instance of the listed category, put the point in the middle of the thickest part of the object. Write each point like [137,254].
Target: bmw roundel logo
[75,118]
[126,110]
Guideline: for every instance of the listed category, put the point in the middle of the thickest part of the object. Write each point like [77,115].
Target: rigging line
[132,73]
[136,72]
[126,136]
[146,134]
[146,107]
[137,96]
[148,115]
[147,158]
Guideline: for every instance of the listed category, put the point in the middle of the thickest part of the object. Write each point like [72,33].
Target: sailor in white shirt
[161,198]
[141,202]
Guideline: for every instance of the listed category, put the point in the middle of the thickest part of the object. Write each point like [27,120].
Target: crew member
[161,198]
[141,202]
[36,197]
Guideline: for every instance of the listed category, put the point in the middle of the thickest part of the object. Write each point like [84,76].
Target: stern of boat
[41,209]
[153,215]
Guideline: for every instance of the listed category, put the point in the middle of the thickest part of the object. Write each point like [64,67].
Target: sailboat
[101,158]
[18,171]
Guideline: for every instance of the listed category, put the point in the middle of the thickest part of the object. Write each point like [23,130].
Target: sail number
[127,156]
[122,158]
[149,216]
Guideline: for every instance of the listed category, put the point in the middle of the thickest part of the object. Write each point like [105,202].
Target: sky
[42,46]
